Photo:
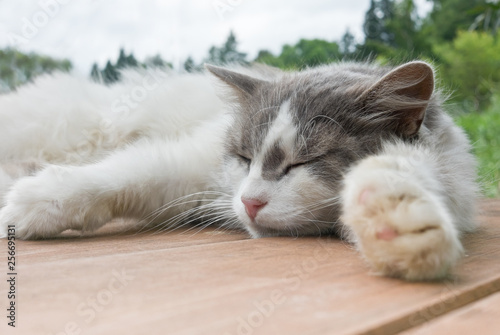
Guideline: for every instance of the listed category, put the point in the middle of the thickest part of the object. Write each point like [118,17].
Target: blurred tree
[95,73]
[227,53]
[488,18]
[403,25]
[17,68]
[125,60]
[471,64]
[406,26]
[304,53]
[156,61]
[110,74]
[189,65]
[122,59]
[311,53]
[402,37]
[130,61]
[449,16]
[267,57]
[347,45]
[376,18]
[379,40]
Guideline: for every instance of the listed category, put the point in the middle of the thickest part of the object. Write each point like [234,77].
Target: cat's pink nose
[252,206]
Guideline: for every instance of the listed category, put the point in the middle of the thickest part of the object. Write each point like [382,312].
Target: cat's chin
[258,230]
[264,232]
[266,229]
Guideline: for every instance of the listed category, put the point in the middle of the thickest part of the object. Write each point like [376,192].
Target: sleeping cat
[359,150]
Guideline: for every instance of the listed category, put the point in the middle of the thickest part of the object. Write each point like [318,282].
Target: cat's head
[294,135]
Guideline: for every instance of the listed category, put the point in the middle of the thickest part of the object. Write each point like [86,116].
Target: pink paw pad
[387,234]
[364,196]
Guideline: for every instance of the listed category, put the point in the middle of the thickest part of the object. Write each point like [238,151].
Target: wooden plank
[219,285]
[113,240]
[481,317]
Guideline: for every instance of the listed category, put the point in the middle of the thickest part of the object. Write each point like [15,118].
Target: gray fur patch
[341,114]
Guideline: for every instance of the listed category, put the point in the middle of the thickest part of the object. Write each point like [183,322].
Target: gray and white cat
[360,150]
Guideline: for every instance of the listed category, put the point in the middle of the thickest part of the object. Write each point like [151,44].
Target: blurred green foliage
[305,53]
[484,132]
[17,68]
[471,66]
[227,53]
[111,72]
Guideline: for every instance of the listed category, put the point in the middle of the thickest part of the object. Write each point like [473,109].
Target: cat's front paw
[41,206]
[32,215]
[401,228]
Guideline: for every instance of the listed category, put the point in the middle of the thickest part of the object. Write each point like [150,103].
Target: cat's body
[350,148]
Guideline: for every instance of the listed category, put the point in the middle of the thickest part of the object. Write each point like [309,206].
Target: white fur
[401,193]
[282,130]
[65,119]
[81,131]
[135,148]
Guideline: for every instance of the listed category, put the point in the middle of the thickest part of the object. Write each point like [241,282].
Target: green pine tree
[95,73]
[227,53]
[376,19]
[130,61]
[189,65]
[125,60]
[110,74]
[347,45]
[122,59]
[449,16]
[156,61]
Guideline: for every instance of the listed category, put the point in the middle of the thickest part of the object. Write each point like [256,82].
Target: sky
[88,31]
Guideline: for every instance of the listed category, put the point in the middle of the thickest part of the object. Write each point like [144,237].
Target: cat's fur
[355,149]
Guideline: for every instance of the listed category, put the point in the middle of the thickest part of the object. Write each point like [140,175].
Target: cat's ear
[401,97]
[242,83]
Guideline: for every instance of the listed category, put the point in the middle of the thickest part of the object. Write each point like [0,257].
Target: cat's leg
[133,182]
[12,171]
[395,211]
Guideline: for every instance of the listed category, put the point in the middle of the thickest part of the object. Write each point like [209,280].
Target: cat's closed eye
[289,167]
[245,160]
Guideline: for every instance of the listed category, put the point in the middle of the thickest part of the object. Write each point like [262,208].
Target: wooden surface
[211,282]
[480,317]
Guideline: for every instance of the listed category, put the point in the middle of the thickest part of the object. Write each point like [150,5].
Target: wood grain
[224,283]
[481,317]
